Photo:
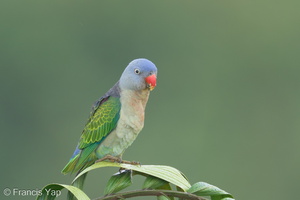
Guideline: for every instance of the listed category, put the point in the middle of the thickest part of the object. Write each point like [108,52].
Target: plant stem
[136,193]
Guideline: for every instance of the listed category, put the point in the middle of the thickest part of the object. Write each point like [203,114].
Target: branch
[136,193]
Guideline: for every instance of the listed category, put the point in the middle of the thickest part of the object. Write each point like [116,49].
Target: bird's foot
[110,158]
[118,160]
[131,162]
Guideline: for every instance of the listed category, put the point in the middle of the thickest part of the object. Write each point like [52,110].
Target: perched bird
[116,118]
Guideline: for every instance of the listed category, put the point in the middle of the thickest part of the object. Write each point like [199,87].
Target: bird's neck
[134,97]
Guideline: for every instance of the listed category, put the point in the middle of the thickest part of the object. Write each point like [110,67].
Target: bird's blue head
[140,74]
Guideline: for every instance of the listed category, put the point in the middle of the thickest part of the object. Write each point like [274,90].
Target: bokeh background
[226,109]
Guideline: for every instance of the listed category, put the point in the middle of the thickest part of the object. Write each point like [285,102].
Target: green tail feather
[83,160]
[71,165]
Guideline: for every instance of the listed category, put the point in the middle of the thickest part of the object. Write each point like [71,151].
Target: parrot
[115,119]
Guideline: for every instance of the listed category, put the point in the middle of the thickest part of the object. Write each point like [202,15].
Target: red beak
[151,81]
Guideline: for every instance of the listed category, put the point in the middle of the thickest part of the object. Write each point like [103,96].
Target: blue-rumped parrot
[116,118]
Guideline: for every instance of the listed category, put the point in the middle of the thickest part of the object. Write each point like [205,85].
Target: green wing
[102,121]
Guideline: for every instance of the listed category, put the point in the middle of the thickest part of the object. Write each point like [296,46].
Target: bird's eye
[137,71]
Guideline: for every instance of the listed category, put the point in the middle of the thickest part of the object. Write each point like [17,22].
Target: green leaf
[51,191]
[205,189]
[118,181]
[152,182]
[166,173]
[165,187]
[179,189]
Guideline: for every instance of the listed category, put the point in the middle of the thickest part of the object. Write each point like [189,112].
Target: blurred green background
[226,109]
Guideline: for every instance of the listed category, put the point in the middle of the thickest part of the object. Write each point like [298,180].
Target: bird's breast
[132,117]
[132,112]
[130,123]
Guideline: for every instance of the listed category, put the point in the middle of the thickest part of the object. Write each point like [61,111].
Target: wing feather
[102,121]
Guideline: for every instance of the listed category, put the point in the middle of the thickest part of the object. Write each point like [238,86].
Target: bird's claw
[110,158]
[118,160]
[131,162]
